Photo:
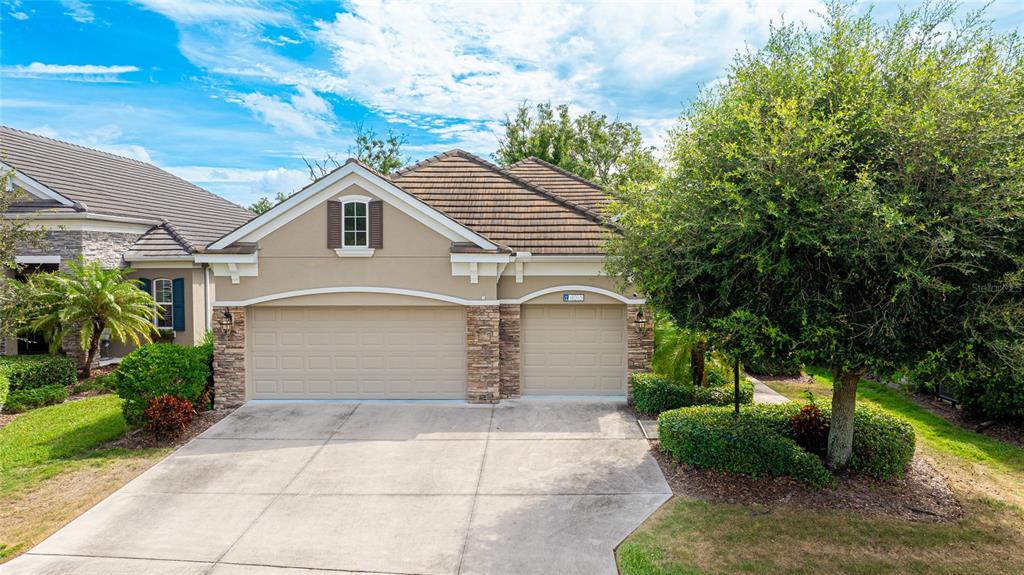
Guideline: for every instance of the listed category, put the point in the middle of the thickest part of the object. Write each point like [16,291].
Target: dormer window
[354,224]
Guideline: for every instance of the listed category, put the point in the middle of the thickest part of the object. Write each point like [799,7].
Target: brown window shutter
[333,224]
[376,224]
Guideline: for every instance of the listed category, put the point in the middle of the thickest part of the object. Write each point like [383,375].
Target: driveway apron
[526,486]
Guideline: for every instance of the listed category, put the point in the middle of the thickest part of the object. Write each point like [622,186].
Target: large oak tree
[860,188]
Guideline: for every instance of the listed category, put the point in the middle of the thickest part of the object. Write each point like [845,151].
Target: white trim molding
[327,187]
[355,289]
[35,188]
[354,252]
[589,289]
[37,259]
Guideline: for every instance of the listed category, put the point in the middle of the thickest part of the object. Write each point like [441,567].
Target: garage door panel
[573,349]
[358,353]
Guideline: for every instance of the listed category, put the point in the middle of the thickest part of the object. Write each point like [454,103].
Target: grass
[52,467]
[688,536]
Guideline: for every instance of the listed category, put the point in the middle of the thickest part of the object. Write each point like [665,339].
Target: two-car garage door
[358,352]
[419,352]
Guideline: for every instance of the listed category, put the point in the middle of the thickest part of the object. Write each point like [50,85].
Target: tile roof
[504,207]
[108,184]
[559,181]
[160,241]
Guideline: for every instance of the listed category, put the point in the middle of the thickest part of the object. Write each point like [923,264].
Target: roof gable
[504,207]
[352,172]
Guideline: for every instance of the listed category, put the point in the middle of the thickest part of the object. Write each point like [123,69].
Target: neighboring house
[452,278]
[120,212]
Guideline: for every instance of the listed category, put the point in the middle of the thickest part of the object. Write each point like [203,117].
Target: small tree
[90,299]
[15,233]
[861,188]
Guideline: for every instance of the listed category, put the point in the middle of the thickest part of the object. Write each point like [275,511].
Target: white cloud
[245,12]
[75,72]
[19,15]
[304,114]
[280,40]
[78,11]
[243,186]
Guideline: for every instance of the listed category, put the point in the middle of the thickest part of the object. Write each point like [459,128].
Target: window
[163,294]
[353,225]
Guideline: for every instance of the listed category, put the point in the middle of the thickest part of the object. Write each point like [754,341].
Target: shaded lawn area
[52,467]
[689,536]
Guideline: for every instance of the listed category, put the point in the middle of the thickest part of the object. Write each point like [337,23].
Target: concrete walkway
[522,487]
[765,394]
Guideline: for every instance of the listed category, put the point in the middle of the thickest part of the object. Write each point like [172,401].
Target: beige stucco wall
[195,313]
[509,289]
[296,257]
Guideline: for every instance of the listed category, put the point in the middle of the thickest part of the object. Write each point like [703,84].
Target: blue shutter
[178,307]
[147,285]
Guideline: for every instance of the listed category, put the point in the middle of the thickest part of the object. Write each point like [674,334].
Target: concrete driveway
[403,488]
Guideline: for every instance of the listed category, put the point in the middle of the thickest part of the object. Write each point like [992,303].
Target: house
[121,212]
[452,278]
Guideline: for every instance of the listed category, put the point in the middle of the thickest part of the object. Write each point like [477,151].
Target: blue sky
[232,94]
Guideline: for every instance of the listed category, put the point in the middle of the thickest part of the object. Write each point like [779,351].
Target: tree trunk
[844,401]
[94,344]
[697,353]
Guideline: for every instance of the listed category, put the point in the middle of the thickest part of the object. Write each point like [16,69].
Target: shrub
[98,383]
[711,437]
[809,427]
[161,369]
[654,394]
[25,399]
[883,444]
[33,371]
[168,416]
[4,387]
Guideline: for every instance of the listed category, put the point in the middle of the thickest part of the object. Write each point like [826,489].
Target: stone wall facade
[639,343]
[228,357]
[483,374]
[108,248]
[508,353]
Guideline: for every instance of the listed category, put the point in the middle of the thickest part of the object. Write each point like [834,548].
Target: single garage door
[358,352]
[573,349]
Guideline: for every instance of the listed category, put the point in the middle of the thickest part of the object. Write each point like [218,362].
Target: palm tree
[678,353]
[91,299]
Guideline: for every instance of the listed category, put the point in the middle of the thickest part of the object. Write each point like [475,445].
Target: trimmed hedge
[5,385]
[34,371]
[158,369]
[25,399]
[710,437]
[654,394]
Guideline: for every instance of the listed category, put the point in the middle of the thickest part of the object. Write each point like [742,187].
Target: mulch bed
[142,439]
[922,495]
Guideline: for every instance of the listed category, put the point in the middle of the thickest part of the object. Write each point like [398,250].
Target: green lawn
[52,467]
[688,536]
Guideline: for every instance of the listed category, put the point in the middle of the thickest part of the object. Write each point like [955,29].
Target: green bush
[161,369]
[25,399]
[712,437]
[654,394]
[883,444]
[5,385]
[98,383]
[32,371]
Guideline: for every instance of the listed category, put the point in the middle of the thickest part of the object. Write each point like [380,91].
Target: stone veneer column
[482,354]
[228,357]
[639,343]
[508,355]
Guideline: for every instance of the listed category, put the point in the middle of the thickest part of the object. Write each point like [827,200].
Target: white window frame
[160,305]
[346,250]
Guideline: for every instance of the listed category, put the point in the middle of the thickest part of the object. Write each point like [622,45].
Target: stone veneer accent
[482,354]
[508,350]
[228,357]
[106,247]
[639,343]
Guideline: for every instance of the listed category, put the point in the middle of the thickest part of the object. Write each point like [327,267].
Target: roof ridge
[80,146]
[562,171]
[119,157]
[456,152]
[173,231]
